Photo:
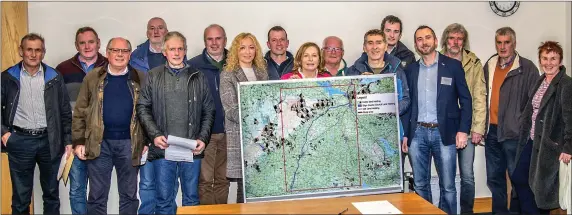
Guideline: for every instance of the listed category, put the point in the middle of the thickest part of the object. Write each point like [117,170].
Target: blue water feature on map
[364,185]
[328,88]
[387,147]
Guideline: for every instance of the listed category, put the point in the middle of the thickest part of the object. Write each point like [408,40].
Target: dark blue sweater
[117,108]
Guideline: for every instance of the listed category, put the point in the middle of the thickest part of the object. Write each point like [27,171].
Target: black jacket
[404,54]
[151,108]
[56,99]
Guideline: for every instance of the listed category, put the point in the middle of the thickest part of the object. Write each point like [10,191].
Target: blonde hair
[232,63]
[300,54]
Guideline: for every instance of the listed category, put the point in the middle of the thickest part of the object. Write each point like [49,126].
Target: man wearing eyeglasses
[175,100]
[36,125]
[280,61]
[105,131]
[73,70]
[333,52]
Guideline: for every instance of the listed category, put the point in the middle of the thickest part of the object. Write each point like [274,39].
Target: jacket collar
[552,88]
[49,72]
[206,62]
[101,60]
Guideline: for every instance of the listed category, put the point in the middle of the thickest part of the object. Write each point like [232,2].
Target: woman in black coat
[545,134]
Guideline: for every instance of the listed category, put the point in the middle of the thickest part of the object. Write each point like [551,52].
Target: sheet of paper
[144,157]
[180,149]
[376,207]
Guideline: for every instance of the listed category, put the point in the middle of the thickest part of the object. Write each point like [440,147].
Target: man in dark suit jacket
[438,120]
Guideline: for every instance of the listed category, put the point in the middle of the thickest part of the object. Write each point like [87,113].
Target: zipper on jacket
[194,91]
[11,120]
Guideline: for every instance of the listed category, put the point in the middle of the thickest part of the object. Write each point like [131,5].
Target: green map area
[307,137]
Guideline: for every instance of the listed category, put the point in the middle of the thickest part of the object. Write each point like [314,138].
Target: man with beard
[455,44]
[393,28]
[438,120]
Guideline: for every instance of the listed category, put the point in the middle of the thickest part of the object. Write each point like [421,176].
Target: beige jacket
[477,86]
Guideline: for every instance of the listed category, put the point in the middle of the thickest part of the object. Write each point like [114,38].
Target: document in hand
[180,149]
[65,166]
[376,207]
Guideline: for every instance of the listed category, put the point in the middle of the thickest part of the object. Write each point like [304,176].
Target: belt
[428,125]
[33,132]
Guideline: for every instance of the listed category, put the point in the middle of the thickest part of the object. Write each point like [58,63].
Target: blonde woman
[245,62]
[308,63]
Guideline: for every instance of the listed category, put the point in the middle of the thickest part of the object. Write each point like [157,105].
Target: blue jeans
[426,143]
[466,160]
[520,181]
[499,158]
[166,173]
[147,193]
[78,186]
[147,188]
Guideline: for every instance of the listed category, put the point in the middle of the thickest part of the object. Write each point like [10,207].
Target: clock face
[504,8]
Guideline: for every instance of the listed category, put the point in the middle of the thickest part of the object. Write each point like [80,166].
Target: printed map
[319,136]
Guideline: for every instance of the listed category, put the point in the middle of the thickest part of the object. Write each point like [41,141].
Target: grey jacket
[514,93]
[151,108]
[229,98]
[552,136]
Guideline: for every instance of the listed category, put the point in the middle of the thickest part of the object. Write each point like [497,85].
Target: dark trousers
[500,157]
[113,153]
[520,181]
[239,190]
[24,151]
[213,185]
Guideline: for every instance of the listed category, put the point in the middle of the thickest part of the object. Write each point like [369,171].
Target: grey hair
[171,35]
[213,26]
[332,37]
[455,28]
[506,31]
[111,40]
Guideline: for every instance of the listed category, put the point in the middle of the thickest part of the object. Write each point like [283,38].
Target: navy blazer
[454,103]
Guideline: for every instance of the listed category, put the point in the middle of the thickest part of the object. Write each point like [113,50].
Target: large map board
[310,138]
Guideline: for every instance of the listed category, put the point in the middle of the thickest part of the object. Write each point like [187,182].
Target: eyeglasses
[180,49]
[332,49]
[116,51]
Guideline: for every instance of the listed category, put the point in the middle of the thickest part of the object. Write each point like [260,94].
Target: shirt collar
[153,50]
[422,62]
[23,70]
[120,74]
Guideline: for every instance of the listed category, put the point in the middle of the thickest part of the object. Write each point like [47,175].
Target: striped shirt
[31,110]
[536,100]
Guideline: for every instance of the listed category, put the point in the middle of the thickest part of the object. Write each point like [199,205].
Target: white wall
[305,21]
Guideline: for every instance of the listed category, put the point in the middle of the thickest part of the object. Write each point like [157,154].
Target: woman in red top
[308,63]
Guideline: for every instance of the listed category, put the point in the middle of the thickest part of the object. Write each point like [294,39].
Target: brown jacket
[87,122]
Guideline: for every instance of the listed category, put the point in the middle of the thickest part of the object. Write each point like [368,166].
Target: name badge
[446,81]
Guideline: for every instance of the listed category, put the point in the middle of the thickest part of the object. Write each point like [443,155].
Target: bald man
[120,141]
[333,52]
[148,55]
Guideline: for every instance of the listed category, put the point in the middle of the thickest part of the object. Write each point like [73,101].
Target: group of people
[125,104]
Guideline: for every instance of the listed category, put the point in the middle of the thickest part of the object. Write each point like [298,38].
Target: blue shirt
[86,68]
[427,91]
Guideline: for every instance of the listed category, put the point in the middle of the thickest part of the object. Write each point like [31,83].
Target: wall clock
[504,8]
